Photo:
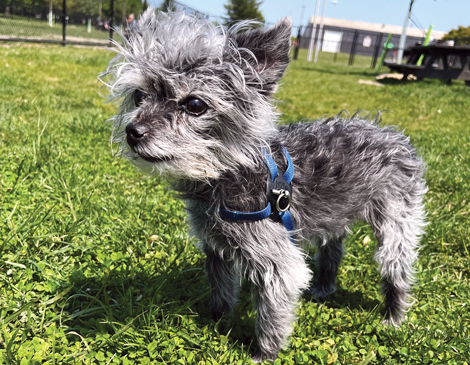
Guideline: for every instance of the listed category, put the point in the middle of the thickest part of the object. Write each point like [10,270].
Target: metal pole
[401,44]
[50,13]
[320,30]
[64,22]
[312,37]
[299,37]
[338,48]
[111,22]
[426,42]
[384,53]
[302,15]
[353,48]
[299,34]
[378,42]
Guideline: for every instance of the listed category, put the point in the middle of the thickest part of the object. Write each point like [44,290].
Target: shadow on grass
[121,304]
[334,72]
[421,82]
[352,299]
[128,301]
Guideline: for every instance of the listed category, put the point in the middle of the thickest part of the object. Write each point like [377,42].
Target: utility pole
[321,30]
[302,15]
[401,44]
[312,38]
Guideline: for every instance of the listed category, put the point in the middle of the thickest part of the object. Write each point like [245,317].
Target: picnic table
[440,62]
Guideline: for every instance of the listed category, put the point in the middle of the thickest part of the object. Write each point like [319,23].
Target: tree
[461,35]
[88,7]
[122,8]
[145,5]
[167,5]
[243,9]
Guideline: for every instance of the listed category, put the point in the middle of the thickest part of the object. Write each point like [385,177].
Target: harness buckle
[279,195]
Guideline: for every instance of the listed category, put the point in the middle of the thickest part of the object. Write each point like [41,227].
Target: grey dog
[196,105]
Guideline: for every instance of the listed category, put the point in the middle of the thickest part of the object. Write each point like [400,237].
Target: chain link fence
[59,21]
[87,22]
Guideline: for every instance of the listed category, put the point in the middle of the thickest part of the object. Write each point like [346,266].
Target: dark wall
[348,37]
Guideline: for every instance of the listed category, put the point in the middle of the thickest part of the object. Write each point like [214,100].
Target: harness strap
[284,214]
[287,221]
[240,216]
[271,165]
[289,173]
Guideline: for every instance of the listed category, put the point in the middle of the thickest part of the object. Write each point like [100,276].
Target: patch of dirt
[370,82]
[395,76]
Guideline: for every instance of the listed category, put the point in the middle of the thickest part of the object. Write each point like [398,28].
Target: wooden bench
[439,62]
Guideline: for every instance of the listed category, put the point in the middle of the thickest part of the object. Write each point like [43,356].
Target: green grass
[20,27]
[96,265]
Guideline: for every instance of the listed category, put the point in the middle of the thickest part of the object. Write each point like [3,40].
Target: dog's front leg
[279,278]
[224,282]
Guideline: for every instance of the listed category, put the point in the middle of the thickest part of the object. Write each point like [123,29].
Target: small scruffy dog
[197,106]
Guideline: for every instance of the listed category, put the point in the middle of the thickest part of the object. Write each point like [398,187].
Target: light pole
[302,15]
[320,31]
[401,44]
[312,36]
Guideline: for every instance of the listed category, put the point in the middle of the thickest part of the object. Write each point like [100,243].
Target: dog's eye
[139,97]
[195,106]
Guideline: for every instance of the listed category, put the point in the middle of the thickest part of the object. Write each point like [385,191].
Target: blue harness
[278,195]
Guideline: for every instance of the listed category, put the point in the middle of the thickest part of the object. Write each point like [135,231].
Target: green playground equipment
[426,42]
[388,45]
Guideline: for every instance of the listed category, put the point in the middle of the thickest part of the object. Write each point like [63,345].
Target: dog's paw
[322,291]
[393,322]
[217,314]
[261,356]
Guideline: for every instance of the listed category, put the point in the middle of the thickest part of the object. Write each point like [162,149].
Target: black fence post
[111,23]
[299,38]
[378,42]
[353,48]
[64,22]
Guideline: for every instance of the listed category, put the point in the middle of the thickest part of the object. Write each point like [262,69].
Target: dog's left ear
[265,51]
[148,18]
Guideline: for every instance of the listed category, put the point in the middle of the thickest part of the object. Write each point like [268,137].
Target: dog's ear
[147,18]
[265,51]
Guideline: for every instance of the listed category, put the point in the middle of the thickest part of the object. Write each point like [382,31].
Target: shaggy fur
[345,169]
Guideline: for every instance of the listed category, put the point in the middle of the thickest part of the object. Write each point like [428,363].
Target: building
[338,36]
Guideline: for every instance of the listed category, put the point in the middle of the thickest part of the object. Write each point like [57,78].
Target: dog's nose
[135,133]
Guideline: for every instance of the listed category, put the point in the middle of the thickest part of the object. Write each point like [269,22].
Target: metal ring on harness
[281,195]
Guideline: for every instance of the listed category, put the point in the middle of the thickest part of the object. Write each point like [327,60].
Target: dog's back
[349,170]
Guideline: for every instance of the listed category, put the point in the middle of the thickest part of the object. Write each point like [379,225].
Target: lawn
[96,265]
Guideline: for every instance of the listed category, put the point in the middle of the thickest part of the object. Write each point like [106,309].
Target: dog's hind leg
[398,232]
[224,282]
[327,260]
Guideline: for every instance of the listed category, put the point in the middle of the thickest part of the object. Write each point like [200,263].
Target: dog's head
[195,96]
